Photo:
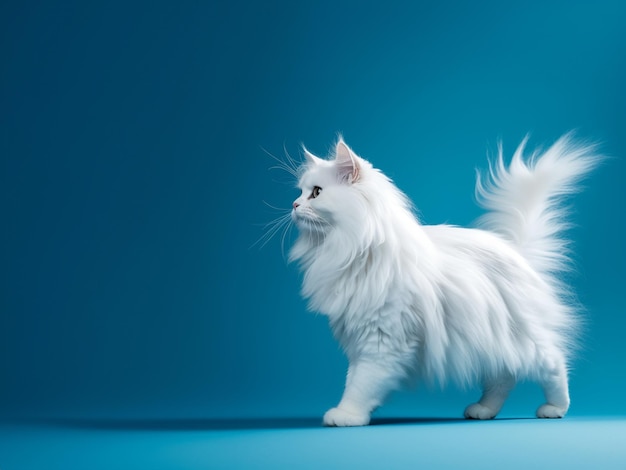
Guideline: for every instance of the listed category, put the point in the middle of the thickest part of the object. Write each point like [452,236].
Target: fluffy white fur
[442,302]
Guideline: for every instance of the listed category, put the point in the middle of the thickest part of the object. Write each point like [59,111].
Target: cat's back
[460,247]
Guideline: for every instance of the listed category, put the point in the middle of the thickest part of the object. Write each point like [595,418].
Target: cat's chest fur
[352,286]
[366,296]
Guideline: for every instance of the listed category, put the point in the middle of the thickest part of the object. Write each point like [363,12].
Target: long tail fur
[525,201]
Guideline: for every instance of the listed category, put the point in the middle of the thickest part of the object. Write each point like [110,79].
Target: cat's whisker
[281,209]
[285,168]
[282,165]
[271,222]
[273,227]
[286,231]
[292,162]
[264,240]
[278,220]
[288,182]
[275,221]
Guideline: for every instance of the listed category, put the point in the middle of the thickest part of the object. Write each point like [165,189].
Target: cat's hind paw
[340,417]
[478,411]
[550,411]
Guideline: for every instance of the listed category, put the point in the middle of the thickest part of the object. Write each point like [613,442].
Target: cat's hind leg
[495,393]
[553,379]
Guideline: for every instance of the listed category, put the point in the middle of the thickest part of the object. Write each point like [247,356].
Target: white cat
[442,302]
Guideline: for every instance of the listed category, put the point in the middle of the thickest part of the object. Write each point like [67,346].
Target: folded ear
[310,158]
[347,162]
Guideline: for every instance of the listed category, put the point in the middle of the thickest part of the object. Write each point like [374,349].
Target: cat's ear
[347,162]
[310,158]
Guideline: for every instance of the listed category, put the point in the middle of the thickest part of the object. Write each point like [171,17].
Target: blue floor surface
[573,442]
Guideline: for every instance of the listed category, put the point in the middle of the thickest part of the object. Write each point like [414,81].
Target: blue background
[133,176]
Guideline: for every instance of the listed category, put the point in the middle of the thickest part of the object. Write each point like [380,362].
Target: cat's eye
[316,192]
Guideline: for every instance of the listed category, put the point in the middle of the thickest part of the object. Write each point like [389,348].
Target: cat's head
[332,191]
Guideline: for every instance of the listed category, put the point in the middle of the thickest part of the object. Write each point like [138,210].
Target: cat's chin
[307,225]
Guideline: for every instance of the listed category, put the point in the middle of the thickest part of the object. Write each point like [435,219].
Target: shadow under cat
[238,424]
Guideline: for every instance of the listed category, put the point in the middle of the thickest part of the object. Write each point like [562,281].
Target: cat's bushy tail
[525,200]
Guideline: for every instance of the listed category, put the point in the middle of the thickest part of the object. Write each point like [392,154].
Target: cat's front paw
[478,411]
[550,411]
[340,417]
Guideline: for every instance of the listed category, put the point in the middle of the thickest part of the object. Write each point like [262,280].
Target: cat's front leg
[367,384]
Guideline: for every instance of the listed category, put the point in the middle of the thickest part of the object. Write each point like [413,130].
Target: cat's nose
[295,204]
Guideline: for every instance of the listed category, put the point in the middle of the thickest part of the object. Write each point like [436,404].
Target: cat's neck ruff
[358,265]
